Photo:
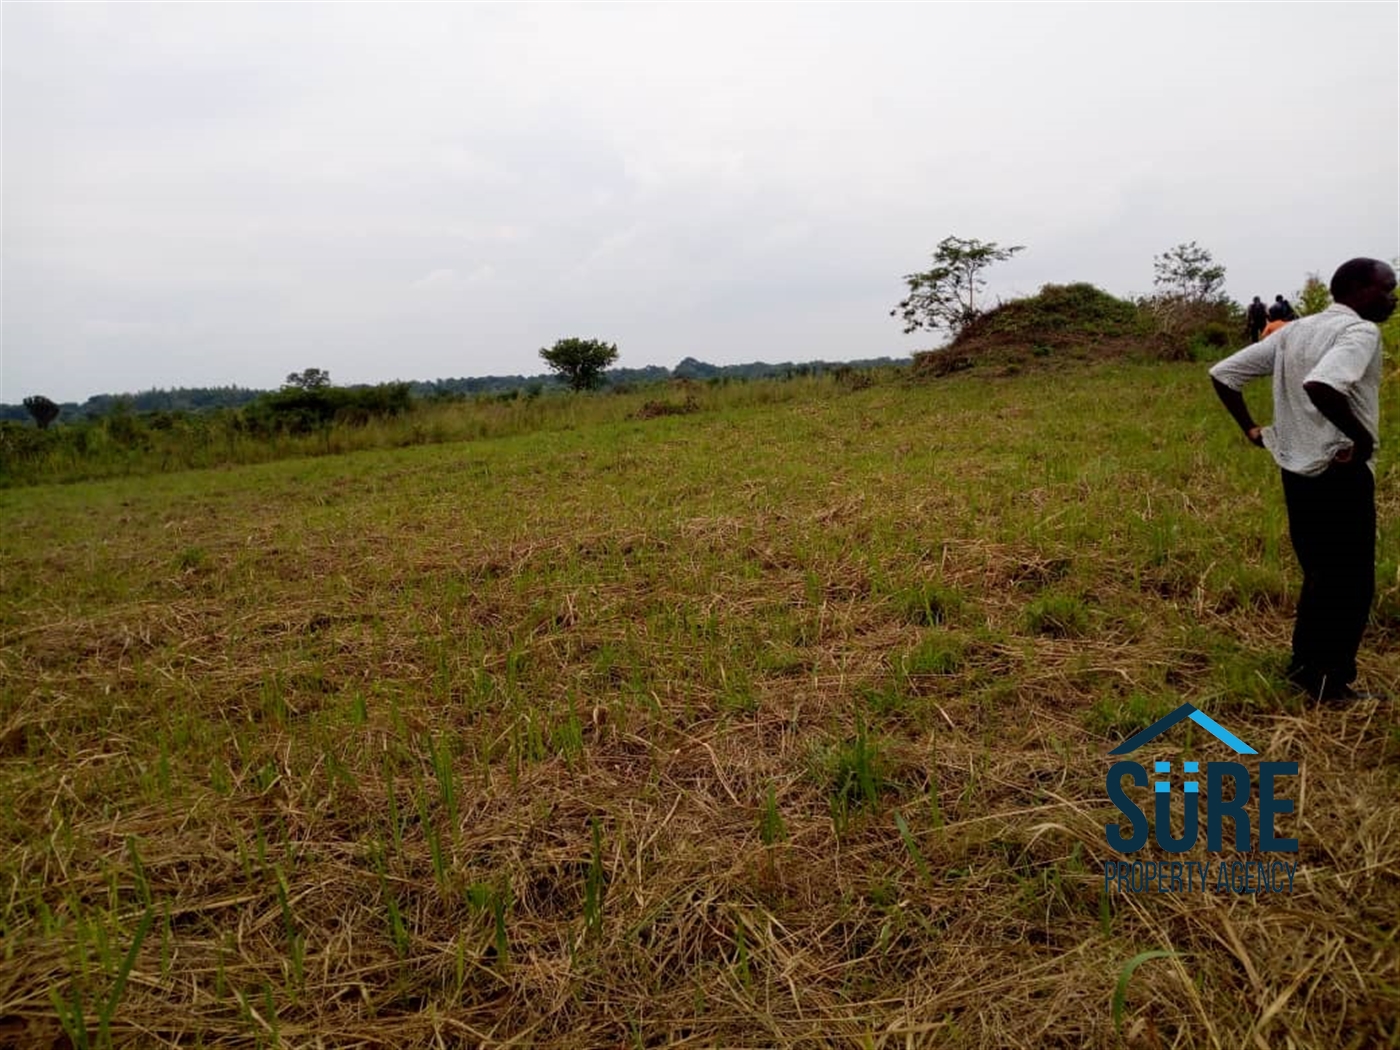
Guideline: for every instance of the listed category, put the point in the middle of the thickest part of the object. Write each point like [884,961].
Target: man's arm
[1230,375]
[1332,403]
[1233,401]
[1345,365]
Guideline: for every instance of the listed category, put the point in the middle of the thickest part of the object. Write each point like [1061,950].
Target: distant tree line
[200,400]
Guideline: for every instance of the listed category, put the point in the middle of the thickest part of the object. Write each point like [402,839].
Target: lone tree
[946,295]
[580,362]
[1188,272]
[42,409]
[309,379]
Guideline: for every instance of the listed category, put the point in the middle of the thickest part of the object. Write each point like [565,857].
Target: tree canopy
[42,409]
[945,296]
[580,362]
[1188,272]
[309,379]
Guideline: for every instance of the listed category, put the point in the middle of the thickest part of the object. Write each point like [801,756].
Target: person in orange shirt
[1276,321]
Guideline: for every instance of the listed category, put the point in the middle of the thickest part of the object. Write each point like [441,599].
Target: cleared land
[769,724]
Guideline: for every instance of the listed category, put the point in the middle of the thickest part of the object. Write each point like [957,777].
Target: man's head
[1367,286]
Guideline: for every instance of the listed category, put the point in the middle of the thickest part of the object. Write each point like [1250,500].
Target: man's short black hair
[1354,275]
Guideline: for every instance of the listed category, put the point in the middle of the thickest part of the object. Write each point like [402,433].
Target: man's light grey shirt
[1335,347]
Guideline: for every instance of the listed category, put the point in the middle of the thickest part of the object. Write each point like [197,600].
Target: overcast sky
[211,194]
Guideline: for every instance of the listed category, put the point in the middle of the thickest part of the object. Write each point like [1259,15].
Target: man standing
[1285,309]
[1326,372]
[1256,317]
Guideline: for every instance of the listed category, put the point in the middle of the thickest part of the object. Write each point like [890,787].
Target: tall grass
[130,446]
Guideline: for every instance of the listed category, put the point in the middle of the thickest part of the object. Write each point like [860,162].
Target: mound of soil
[1065,322]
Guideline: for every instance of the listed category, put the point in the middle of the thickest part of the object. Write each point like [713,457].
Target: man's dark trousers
[1332,523]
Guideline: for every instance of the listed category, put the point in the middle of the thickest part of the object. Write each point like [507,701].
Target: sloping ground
[783,726]
[1064,322]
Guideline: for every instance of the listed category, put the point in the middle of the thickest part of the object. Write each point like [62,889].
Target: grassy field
[784,722]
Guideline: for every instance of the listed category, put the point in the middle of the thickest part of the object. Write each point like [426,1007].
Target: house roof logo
[1185,711]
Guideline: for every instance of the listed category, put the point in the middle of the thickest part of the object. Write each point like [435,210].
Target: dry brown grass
[650,632]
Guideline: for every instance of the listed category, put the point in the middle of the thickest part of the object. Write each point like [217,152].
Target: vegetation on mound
[1081,322]
[1060,311]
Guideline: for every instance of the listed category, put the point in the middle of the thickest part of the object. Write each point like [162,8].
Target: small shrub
[855,772]
[771,826]
[126,430]
[1243,585]
[850,379]
[935,363]
[192,558]
[18,441]
[940,653]
[1057,615]
[653,409]
[886,700]
[1314,297]
[1192,329]
[927,604]
[1114,715]
[1215,334]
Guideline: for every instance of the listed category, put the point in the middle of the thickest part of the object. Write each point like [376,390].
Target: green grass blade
[1120,993]
[110,1007]
[912,846]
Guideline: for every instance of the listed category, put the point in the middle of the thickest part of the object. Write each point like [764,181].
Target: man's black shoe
[1347,695]
[1342,694]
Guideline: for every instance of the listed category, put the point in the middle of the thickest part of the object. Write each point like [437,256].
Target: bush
[20,442]
[939,363]
[851,379]
[1313,297]
[126,430]
[1189,329]
[652,409]
[302,410]
[1215,334]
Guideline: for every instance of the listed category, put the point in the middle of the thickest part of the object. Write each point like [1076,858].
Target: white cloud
[438,278]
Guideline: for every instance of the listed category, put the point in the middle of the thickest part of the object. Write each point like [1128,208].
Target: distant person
[1276,320]
[1256,317]
[1285,308]
[1326,371]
